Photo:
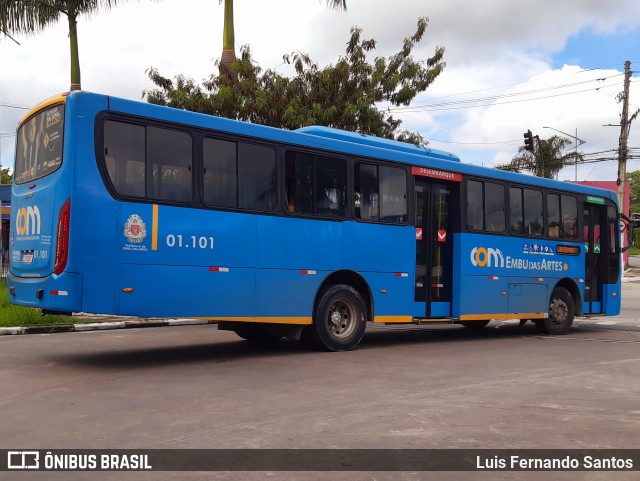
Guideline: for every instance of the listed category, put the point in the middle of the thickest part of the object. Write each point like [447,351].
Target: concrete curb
[630,278]
[100,326]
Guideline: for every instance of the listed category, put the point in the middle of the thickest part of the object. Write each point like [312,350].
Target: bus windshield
[39,150]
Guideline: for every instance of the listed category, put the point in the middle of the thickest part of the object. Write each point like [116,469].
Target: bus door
[595,259]
[434,249]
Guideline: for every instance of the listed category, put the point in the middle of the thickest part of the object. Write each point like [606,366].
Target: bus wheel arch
[572,288]
[341,309]
[562,311]
[355,281]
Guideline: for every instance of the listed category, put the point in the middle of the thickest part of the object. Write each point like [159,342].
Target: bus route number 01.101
[189,242]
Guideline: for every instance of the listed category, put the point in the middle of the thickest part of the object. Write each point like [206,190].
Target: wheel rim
[558,311]
[342,319]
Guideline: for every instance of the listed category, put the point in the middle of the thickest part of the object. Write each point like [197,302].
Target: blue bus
[127,208]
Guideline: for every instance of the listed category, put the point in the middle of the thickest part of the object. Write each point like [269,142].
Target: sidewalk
[101,323]
[632,274]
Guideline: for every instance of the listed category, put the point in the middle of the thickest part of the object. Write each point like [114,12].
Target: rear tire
[339,320]
[562,310]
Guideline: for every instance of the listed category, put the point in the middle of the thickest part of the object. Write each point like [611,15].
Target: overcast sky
[516,65]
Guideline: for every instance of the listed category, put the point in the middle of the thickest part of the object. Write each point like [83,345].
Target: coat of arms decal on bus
[135,230]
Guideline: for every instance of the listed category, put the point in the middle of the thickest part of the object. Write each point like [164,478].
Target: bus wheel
[474,324]
[255,334]
[339,319]
[561,313]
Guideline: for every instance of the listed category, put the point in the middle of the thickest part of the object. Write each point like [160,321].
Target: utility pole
[624,136]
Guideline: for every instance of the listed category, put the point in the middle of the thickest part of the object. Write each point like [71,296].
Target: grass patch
[17,316]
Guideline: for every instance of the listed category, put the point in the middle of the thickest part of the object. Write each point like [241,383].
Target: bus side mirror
[626,225]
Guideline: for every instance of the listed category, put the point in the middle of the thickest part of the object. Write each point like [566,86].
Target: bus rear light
[62,239]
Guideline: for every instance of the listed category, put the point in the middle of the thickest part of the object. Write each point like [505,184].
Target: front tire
[339,320]
[562,311]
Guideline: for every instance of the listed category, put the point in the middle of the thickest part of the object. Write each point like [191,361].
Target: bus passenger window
[258,177]
[124,151]
[393,188]
[516,218]
[569,217]
[332,186]
[300,178]
[169,154]
[494,207]
[367,203]
[553,216]
[533,212]
[220,181]
[315,184]
[381,193]
[475,208]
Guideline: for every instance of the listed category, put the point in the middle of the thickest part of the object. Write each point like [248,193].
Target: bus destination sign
[436,174]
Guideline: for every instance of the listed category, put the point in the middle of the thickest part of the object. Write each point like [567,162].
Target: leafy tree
[634,194]
[31,16]
[547,160]
[228,34]
[5,176]
[344,95]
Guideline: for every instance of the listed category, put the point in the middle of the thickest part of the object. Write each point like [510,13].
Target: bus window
[475,208]
[258,177]
[367,192]
[494,207]
[39,149]
[533,212]
[516,219]
[331,186]
[220,173]
[125,157]
[238,174]
[553,216]
[300,182]
[169,154]
[569,217]
[525,212]
[393,189]
[381,193]
[315,184]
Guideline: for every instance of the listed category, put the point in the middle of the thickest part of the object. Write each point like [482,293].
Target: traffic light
[528,141]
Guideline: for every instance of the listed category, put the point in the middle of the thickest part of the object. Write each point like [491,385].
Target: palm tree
[228,35]
[31,16]
[546,161]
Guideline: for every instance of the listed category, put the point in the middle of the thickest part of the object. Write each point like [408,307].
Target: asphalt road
[405,387]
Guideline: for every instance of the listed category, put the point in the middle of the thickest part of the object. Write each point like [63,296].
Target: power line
[420,106]
[515,94]
[432,109]
[10,106]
